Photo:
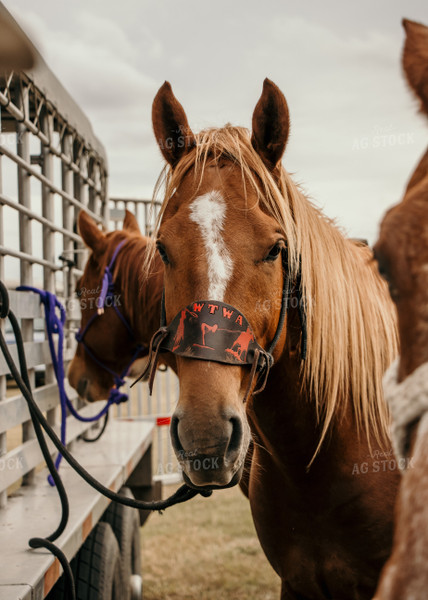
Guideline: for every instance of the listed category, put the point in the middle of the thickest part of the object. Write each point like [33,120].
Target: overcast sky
[355,131]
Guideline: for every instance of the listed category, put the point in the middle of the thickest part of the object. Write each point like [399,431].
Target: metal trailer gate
[51,167]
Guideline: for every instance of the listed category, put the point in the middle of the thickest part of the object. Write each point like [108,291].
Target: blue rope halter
[105,299]
[55,325]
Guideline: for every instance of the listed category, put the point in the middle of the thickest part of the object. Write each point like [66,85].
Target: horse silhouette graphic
[207,328]
[239,347]
[179,336]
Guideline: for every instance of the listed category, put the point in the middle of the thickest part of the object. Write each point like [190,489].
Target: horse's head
[109,345]
[220,242]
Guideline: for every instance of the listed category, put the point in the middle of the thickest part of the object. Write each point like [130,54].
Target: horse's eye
[162,253]
[274,252]
[381,265]
[382,271]
[385,273]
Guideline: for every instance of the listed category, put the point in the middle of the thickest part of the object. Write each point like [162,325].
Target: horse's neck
[283,418]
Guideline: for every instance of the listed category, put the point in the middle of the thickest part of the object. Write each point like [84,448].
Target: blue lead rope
[55,325]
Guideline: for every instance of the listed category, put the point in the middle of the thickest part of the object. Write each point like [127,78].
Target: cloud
[341,77]
[97,67]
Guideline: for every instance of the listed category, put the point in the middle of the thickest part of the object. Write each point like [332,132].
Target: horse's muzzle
[210,457]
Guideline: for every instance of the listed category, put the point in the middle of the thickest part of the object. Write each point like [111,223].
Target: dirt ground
[206,549]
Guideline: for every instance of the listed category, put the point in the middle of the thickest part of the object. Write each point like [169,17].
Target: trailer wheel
[125,523]
[96,568]
[98,574]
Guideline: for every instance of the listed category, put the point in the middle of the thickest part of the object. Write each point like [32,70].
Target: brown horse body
[326,532]
[402,254]
[321,499]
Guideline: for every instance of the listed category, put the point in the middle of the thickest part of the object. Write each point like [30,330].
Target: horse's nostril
[235,440]
[174,434]
[82,387]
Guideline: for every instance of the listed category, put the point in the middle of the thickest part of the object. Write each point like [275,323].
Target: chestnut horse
[140,305]
[402,255]
[234,228]
[108,338]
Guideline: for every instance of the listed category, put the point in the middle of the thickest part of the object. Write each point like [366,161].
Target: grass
[206,549]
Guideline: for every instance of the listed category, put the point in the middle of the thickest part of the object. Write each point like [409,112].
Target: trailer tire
[125,523]
[96,568]
[98,574]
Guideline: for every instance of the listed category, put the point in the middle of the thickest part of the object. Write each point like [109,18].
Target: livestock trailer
[52,165]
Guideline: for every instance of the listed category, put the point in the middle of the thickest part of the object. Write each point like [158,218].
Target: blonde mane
[351,322]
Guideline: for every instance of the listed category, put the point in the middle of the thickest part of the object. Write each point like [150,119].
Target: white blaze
[208,212]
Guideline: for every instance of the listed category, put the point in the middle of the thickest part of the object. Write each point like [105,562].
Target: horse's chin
[87,391]
[213,486]
[90,398]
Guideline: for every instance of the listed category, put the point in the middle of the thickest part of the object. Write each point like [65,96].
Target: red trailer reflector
[163,421]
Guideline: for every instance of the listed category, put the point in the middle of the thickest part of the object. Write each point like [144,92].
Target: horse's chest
[319,554]
[311,563]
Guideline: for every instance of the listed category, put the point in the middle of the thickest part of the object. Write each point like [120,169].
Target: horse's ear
[130,223]
[172,131]
[415,59]
[271,125]
[93,237]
